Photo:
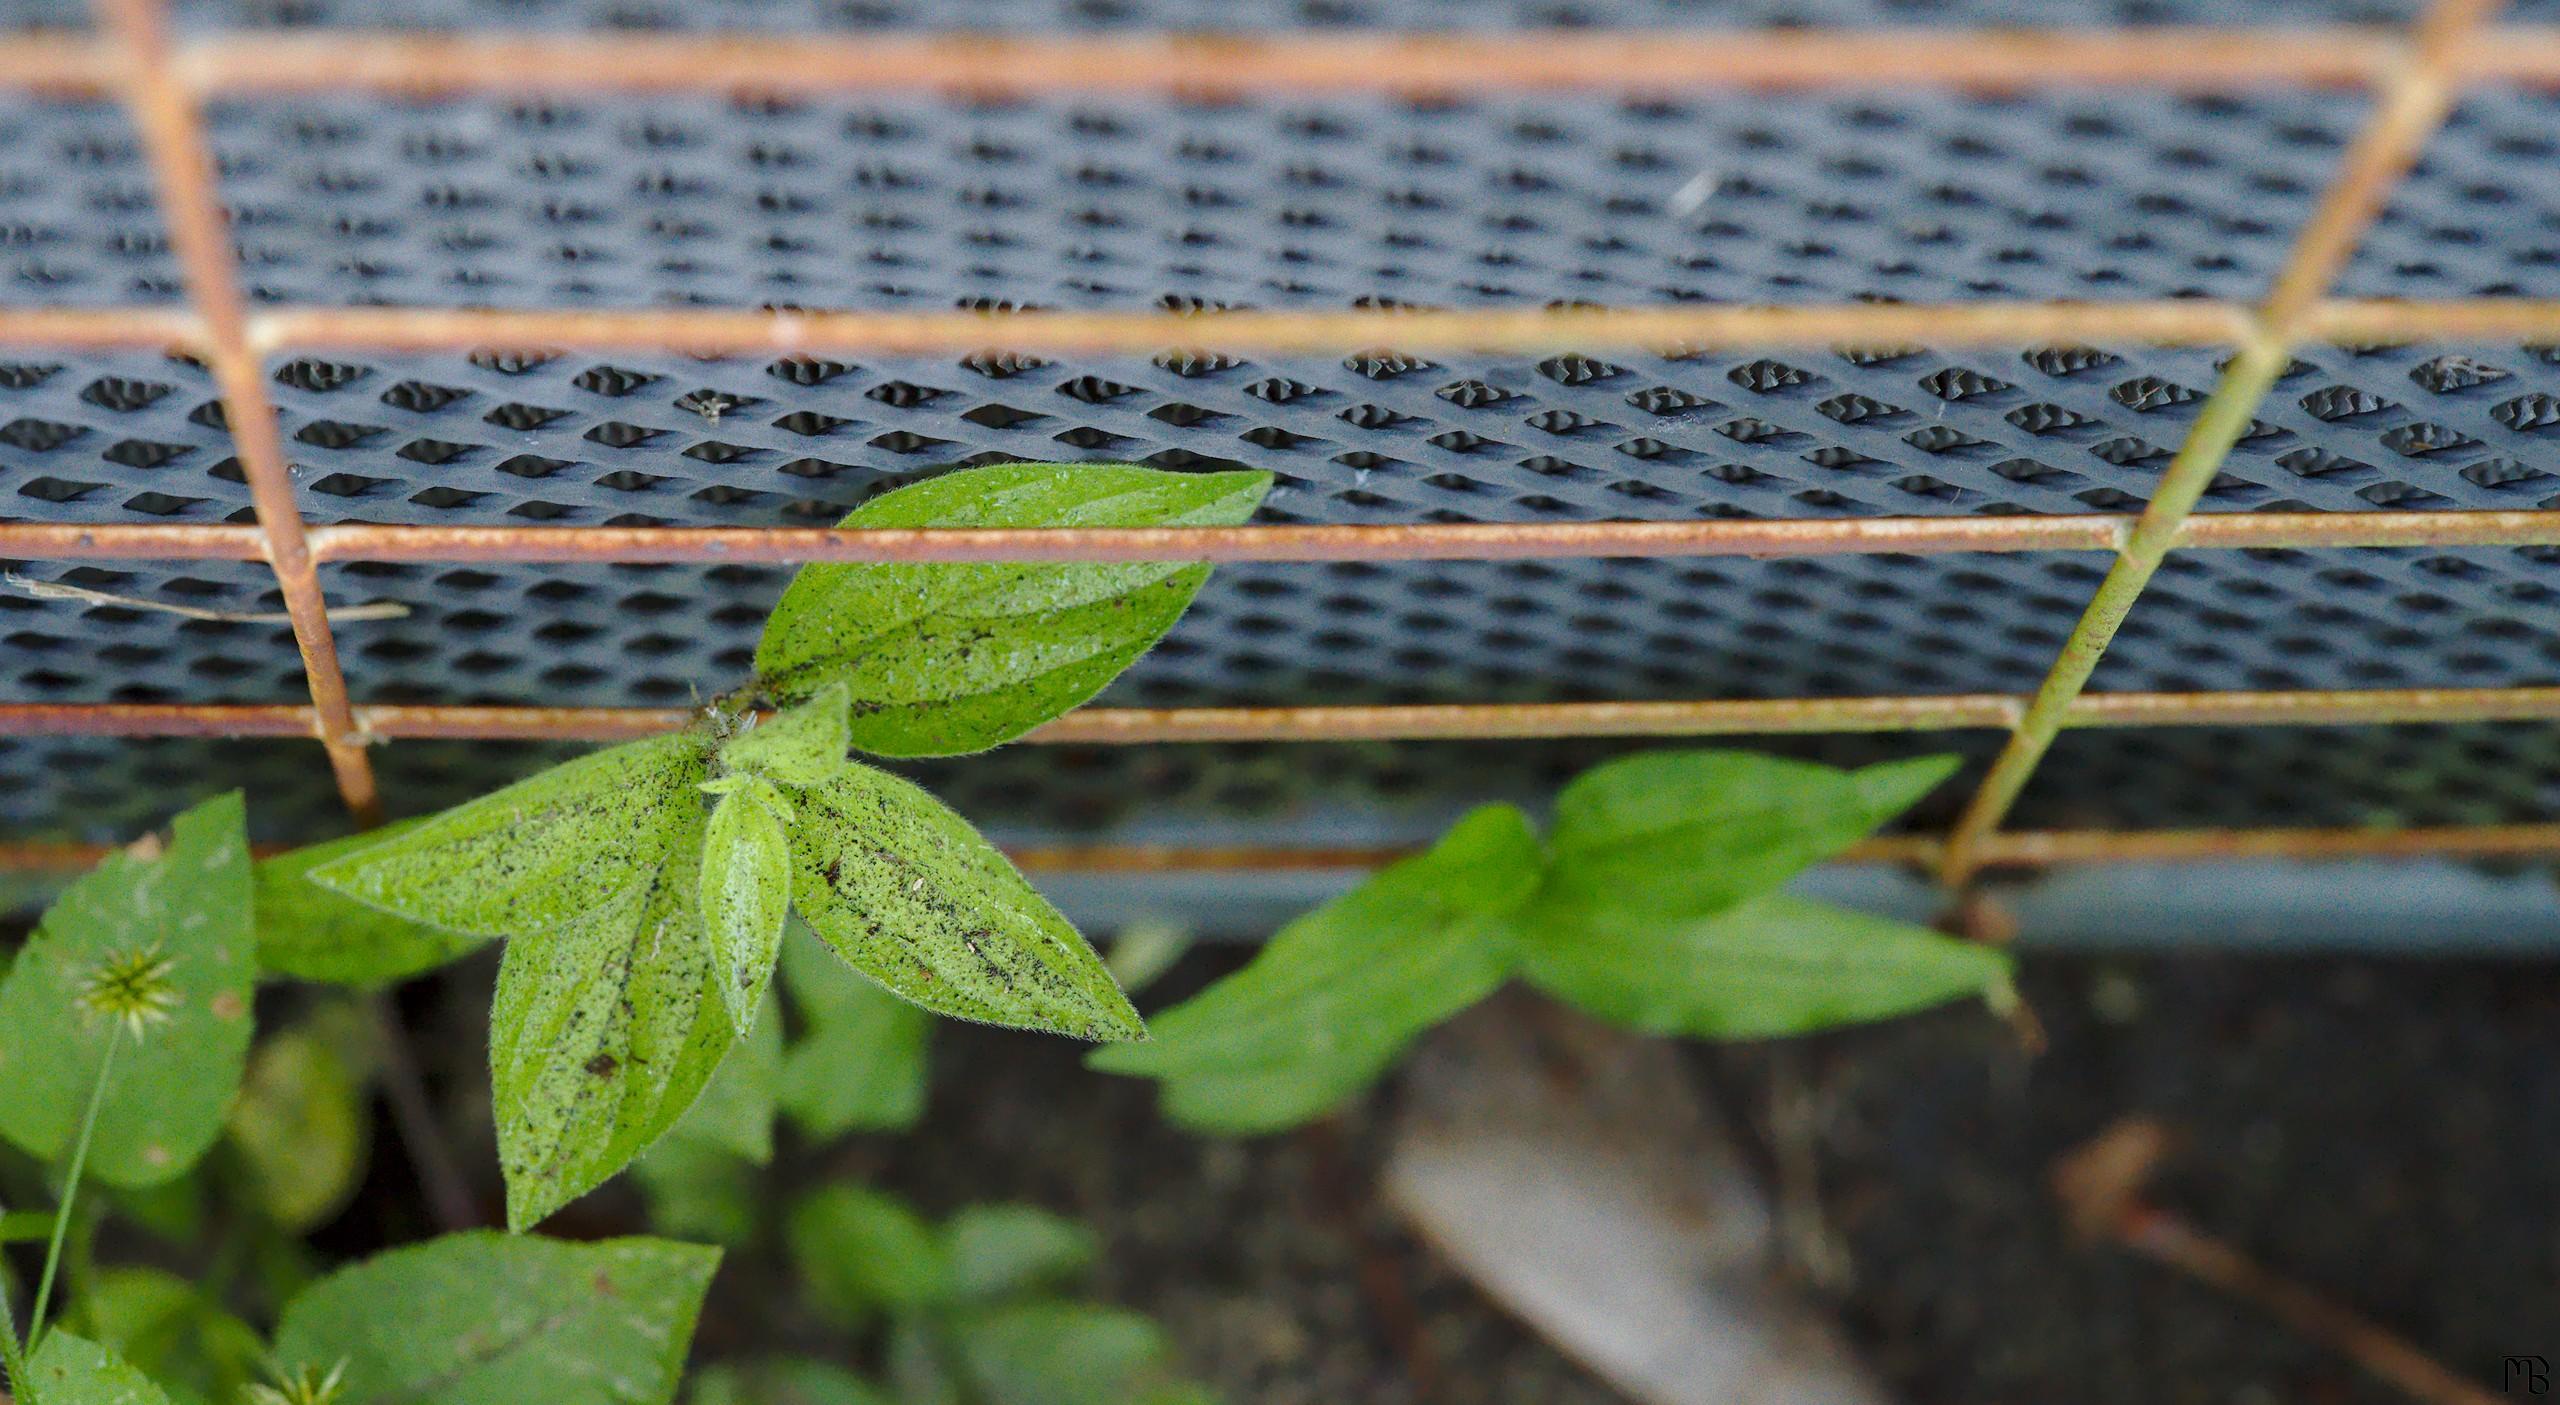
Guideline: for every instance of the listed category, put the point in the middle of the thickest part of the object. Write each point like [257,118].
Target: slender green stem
[71,1185]
[21,1382]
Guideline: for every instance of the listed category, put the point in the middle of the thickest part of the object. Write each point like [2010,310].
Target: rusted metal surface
[157,720]
[1118,726]
[717,332]
[1424,541]
[173,137]
[1420,541]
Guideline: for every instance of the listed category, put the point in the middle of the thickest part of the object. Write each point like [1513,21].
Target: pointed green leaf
[942,659]
[911,896]
[172,1332]
[859,1065]
[783,1382]
[541,855]
[1661,839]
[1340,992]
[746,894]
[489,1319]
[73,1370]
[802,745]
[1000,1249]
[1890,787]
[862,1252]
[605,1028]
[179,925]
[300,1122]
[312,933]
[1773,966]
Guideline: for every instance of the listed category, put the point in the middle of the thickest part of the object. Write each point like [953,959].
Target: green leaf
[860,1064]
[802,745]
[1059,1353]
[1660,839]
[999,1249]
[311,933]
[941,659]
[1773,966]
[541,855]
[1340,992]
[911,896]
[861,1251]
[490,1319]
[1145,950]
[607,1024]
[746,894]
[180,924]
[71,1370]
[784,1382]
[169,1330]
[300,1121]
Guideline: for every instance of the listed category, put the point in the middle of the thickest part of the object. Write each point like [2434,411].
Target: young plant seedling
[1652,904]
[642,890]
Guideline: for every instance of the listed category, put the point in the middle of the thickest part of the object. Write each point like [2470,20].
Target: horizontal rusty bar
[157,720]
[1418,541]
[718,332]
[713,332]
[137,541]
[2016,849]
[95,328]
[1433,541]
[2038,849]
[1293,62]
[1115,726]
[2360,321]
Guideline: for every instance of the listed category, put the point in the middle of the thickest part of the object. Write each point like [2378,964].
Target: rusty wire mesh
[2363,100]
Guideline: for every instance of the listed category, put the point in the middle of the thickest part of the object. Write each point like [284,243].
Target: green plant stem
[71,1185]
[21,1382]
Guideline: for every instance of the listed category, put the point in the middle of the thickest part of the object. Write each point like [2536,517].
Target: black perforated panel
[921,204]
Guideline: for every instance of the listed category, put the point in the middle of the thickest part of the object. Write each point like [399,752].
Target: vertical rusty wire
[2412,104]
[173,135]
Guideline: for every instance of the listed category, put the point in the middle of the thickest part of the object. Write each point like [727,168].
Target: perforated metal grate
[932,204]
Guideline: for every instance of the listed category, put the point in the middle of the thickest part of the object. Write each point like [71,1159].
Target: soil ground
[2387,1132]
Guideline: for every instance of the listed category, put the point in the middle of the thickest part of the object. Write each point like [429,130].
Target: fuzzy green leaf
[1773,966]
[942,659]
[860,1063]
[607,1025]
[1661,839]
[861,1252]
[1060,1353]
[911,896]
[783,1382]
[1340,992]
[539,856]
[1000,1249]
[186,910]
[300,1122]
[173,1332]
[802,745]
[490,1319]
[746,894]
[311,933]
[73,1370]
